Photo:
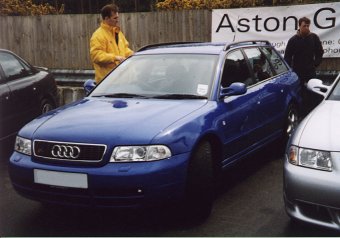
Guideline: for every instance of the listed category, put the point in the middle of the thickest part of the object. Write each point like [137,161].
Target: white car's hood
[322,128]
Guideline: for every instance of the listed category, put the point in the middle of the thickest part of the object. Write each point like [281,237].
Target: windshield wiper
[121,95]
[179,96]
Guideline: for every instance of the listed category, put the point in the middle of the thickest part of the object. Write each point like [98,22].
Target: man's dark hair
[305,20]
[108,9]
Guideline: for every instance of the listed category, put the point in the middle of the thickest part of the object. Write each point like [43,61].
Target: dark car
[159,128]
[25,93]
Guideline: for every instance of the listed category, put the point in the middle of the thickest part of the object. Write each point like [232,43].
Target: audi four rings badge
[65,151]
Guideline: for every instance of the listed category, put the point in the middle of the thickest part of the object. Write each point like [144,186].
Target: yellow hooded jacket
[103,49]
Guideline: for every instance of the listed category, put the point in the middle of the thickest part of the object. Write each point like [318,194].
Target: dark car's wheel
[46,105]
[199,190]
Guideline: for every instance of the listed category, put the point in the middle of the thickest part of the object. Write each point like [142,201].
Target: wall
[62,41]
[70,84]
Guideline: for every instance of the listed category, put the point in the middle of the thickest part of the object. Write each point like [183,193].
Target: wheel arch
[50,98]
[216,150]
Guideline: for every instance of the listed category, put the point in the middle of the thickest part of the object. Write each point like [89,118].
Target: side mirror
[316,85]
[89,85]
[234,89]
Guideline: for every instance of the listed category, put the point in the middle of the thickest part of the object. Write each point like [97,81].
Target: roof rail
[240,43]
[151,46]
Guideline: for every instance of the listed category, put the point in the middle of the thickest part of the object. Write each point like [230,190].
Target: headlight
[315,159]
[23,145]
[140,153]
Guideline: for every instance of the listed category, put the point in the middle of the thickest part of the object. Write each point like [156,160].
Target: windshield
[163,76]
[335,94]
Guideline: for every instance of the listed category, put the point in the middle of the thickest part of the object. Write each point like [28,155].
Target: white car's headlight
[315,159]
[140,153]
[23,145]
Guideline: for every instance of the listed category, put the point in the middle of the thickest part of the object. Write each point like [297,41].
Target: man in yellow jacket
[108,45]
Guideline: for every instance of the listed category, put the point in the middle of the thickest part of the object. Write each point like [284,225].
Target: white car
[312,163]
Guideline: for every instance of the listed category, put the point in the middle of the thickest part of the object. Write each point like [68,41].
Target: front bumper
[113,185]
[312,195]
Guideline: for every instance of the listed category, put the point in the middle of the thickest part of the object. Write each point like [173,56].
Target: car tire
[46,105]
[199,187]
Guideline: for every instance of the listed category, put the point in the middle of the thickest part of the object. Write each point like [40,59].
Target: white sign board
[278,25]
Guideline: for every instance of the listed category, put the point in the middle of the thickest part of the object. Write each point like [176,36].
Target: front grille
[67,151]
[316,212]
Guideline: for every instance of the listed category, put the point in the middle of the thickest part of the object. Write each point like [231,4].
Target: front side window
[12,68]
[259,64]
[159,75]
[235,70]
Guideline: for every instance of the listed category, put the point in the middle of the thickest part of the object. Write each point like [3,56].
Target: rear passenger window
[275,60]
[235,70]
[259,64]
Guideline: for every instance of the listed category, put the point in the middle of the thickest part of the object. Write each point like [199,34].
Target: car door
[279,86]
[5,107]
[239,115]
[270,102]
[23,99]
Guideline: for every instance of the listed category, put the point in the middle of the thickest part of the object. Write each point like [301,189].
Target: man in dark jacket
[304,51]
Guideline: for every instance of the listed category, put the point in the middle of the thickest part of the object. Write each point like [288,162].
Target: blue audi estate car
[159,128]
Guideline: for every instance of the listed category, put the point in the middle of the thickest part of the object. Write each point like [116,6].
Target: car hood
[321,129]
[113,121]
